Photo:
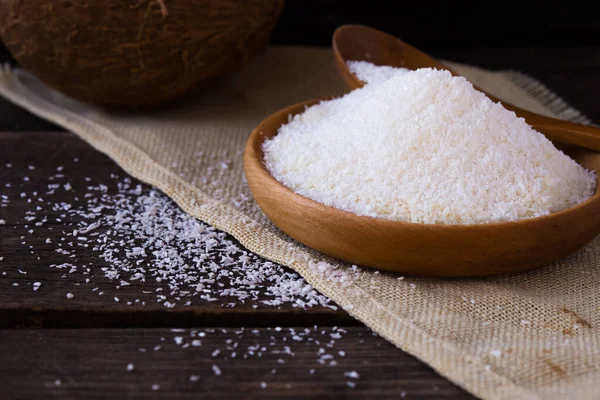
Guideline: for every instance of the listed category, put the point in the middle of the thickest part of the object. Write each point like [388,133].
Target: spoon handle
[565,131]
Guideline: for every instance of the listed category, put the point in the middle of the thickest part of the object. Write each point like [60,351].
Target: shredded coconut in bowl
[424,147]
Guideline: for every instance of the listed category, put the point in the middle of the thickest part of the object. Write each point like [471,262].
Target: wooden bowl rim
[253,156]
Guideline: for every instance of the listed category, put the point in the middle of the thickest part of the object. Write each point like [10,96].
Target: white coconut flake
[352,374]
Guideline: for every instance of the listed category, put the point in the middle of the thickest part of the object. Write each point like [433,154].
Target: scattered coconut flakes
[135,228]
[142,235]
[194,378]
[36,285]
[70,295]
[216,370]
[263,385]
[130,367]
[155,387]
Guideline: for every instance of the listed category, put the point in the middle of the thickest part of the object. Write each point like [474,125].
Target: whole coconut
[134,52]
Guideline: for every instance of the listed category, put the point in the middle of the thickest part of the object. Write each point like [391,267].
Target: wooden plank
[28,251]
[92,364]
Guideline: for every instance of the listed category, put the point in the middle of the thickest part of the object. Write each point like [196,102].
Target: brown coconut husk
[134,53]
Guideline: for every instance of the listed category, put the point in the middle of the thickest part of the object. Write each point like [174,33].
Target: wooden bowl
[423,249]
[134,53]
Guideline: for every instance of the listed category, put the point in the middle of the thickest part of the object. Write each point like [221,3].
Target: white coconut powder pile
[424,147]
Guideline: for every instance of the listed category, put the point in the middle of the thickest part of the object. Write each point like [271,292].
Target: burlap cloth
[526,336]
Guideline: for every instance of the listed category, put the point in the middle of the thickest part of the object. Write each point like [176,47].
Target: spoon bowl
[362,43]
[422,249]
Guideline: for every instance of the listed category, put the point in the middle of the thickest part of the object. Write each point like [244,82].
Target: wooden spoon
[424,249]
[362,43]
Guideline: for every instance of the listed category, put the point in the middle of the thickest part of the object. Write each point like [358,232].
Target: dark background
[442,25]
[436,25]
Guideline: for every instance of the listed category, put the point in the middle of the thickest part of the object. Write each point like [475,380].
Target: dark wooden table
[80,347]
